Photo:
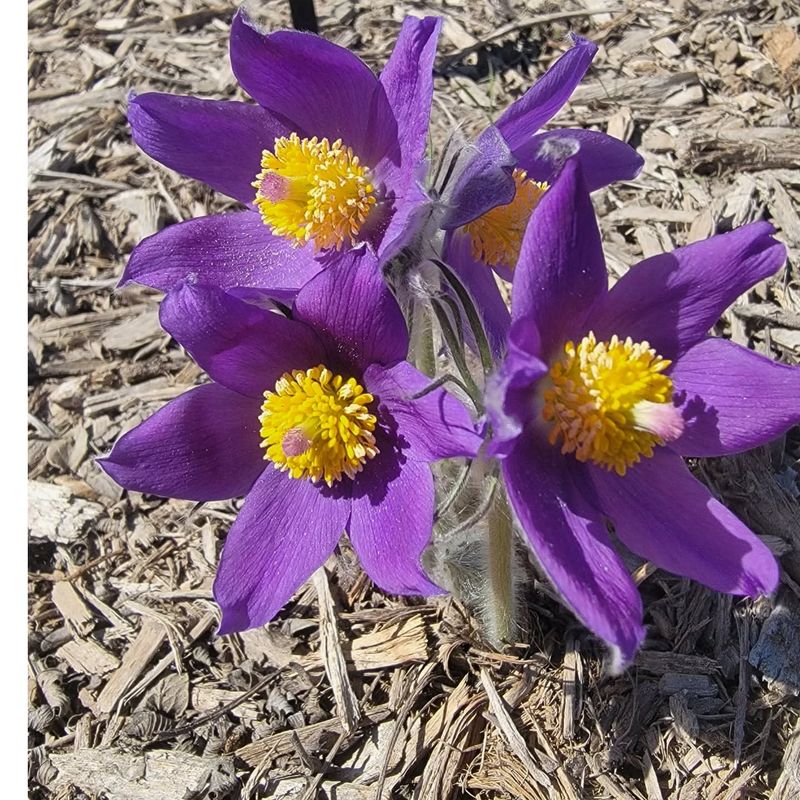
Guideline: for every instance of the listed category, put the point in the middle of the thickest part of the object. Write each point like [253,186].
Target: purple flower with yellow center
[601,394]
[494,197]
[312,418]
[329,156]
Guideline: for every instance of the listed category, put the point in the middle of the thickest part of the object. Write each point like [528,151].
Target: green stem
[436,384]
[500,599]
[484,351]
[422,349]
[457,354]
[458,486]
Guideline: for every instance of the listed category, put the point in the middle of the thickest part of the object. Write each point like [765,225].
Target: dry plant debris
[351,694]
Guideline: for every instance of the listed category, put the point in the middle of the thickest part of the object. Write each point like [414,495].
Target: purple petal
[571,544]
[203,445]
[484,183]
[666,516]
[315,86]
[510,393]
[435,426]
[351,306]
[546,97]
[603,159]
[225,250]
[479,280]
[561,270]
[671,300]
[392,520]
[407,80]
[241,346]
[732,399]
[403,224]
[218,142]
[285,530]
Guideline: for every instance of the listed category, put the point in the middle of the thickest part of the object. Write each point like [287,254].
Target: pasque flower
[603,391]
[330,156]
[494,196]
[311,417]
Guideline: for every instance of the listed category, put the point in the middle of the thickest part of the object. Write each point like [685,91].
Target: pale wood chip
[87,656]
[71,606]
[54,513]
[134,332]
[783,45]
[787,787]
[201,627]
[207,698]
[332,656]
[502,719]
[147,642]
[154,775]
[314,737]
[450,751]
[391,645]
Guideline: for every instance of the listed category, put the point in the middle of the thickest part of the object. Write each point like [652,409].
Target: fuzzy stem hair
[500,604]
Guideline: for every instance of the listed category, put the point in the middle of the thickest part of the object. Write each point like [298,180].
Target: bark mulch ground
[350,694]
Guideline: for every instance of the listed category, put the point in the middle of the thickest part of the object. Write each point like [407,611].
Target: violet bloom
[311,418]
[329,157]
[494,197]
[603,391]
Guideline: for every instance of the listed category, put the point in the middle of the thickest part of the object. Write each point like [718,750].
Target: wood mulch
[350,694]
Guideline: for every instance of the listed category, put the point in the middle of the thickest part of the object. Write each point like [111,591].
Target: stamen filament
[317,425]
[609,402]
[496,236]
[311,190]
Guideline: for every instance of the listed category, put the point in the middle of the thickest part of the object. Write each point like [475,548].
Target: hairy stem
[500,600]
[484,351]
[455,491]
[438,383]
[421,347]
[457,354]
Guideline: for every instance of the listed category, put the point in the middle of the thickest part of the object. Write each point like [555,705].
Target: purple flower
[325,397]
[495,195]
[602,393]
[331,156]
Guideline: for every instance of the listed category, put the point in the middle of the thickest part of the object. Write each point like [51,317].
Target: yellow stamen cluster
[309,189]
[317,425]
[496,236]
[609,402]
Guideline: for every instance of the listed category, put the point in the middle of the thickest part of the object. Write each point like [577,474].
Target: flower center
[496,236]
[610,403]
[313,190]
[317,425]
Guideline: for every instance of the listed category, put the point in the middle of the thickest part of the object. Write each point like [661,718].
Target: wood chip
[154,774]
[332,656]
[71,606]
[783,45]
[513,738]
[658,663]
[699,685]
[87,656]
[787,786]
[55,514]
[147,642]
[313,737]
[775,655]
